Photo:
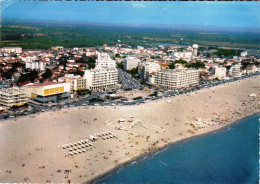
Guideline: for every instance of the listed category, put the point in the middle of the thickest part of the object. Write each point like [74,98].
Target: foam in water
[230,155]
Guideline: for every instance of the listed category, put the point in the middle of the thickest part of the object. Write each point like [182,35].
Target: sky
[222,14]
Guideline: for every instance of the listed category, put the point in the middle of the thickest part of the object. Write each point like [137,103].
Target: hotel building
[14,96]
[104,75]
[104,61]
[220,72]
[100,79]
[176,78]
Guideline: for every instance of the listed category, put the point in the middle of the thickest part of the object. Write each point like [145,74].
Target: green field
[44,36]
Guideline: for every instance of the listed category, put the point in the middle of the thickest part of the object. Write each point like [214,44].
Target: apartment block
[101,79]
[147,68]
[77,83]
[176,78]
[14,96]
[220,72]
[131,62]
[235,70]
[104,61]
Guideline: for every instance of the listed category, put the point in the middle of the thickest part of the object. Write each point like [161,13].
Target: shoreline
[28,144]
[137,158]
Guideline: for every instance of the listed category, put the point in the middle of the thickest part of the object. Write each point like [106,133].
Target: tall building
[176,78]
[131,62]
[104,61]
[17,50]
[147,68]
[101,79]
[195,49]
[49,91]
[35,65]
[104,75]
[220,72]
[14,96]
[235,70]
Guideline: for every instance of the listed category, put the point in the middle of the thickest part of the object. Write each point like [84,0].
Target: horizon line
[137,25]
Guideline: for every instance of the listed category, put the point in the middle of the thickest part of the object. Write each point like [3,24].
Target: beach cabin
[92,137]
[121,120]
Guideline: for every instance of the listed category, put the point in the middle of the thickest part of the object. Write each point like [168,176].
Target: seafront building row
[104,75]
[177,78]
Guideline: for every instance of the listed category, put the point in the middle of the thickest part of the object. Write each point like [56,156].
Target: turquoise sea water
[228,156]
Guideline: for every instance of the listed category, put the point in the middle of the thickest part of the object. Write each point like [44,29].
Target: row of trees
[190,65]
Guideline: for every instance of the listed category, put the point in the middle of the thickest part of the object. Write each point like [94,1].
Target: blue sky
[224,14]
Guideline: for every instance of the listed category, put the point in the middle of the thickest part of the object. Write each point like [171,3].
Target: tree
[171,66]
[47,74]
[133,72]
[195,65]
[181,61]
[78,72]
[29,76]
[120,65]
[91,61]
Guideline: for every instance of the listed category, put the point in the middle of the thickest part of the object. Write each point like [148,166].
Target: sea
[227,156]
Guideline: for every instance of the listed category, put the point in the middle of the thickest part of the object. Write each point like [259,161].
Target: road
[127,80]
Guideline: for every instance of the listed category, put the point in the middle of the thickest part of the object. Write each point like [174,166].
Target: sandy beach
[31,151]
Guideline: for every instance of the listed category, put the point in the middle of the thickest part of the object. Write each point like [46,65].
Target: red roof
[24,83]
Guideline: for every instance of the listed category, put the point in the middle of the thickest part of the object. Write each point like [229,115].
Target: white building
[130,62]
[195,49]
[220,72]
[57,48]
[104,75]
[104,61]
[235,70]
[100,79]
[49,91]
[14,96]
[77,83]
[243,54]
[182,55]
[35,65]
[28,58]
[17,50]
[147,68]
[176,78]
